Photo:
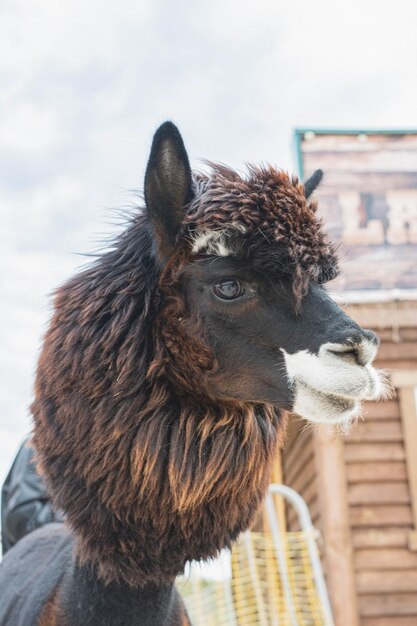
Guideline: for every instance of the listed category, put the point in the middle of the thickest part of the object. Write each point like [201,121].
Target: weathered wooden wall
[299,470]
[368,200]
[379,472]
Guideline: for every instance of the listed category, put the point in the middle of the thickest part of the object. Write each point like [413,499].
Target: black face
[249,319]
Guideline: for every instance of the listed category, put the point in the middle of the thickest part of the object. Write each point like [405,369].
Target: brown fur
[273,209]
[150,470]
[49,612]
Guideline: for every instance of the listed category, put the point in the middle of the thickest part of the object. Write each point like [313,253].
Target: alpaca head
[243,265]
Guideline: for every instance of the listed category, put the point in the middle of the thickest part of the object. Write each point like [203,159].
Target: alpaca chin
[320,408]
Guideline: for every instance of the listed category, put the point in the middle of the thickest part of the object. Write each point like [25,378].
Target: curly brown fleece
[272,210]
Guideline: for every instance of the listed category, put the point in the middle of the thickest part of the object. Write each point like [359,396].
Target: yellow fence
[271,578]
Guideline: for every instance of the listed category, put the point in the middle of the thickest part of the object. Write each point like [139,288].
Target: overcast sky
[84,84]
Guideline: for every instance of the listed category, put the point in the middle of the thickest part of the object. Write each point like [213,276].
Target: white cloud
[84,85]
[26,129]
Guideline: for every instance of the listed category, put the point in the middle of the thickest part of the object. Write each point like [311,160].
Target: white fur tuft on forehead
[215,242]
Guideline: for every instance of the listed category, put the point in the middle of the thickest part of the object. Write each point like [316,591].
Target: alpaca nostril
[367,350]
[348,354]
[361,353]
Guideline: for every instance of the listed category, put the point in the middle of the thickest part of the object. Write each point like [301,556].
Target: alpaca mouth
[354,383]
[329,387]
[320,407]
[342,403]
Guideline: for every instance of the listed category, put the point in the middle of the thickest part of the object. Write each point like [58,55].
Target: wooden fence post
[334,512]
[405,382]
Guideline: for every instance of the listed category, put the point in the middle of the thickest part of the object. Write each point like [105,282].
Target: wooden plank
[389,334]
[392,620]
[358,163]
[376,431]
[315,511]
[339,173]
[302,481]
[380,515]
[409,421]
[297,473]
[385,364]
[376,472]
[385,315]
[395,351]
[388,604]
[261,523]
[295,464]
[389,409]
[367,452]
[378,142]
[301,442]
[396,335]
[386,581]
[332,490]
[405,378]
[309,492]
[378,493]
[382,538]
[408,334]
[385,559]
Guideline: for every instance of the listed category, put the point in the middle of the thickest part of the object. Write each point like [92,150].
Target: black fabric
[25,503]
[30,572]
[34,568]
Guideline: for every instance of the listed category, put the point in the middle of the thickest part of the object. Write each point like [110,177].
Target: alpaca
[164,383]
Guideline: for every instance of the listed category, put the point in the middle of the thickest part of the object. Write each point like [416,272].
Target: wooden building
[361,487]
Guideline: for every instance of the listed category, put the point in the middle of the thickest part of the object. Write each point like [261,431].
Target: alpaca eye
[229,289]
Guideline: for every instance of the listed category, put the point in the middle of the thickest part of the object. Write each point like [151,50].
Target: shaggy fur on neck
[150,471]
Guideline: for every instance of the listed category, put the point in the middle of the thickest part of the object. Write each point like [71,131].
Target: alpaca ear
[313,182]
[168,186]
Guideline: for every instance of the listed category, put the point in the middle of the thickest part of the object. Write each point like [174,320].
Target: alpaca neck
[188,484]
[181,507]
[84,599]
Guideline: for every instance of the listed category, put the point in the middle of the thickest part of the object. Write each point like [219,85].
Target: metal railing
[271,578]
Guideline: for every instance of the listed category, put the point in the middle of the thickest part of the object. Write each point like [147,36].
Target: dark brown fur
[49,612]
